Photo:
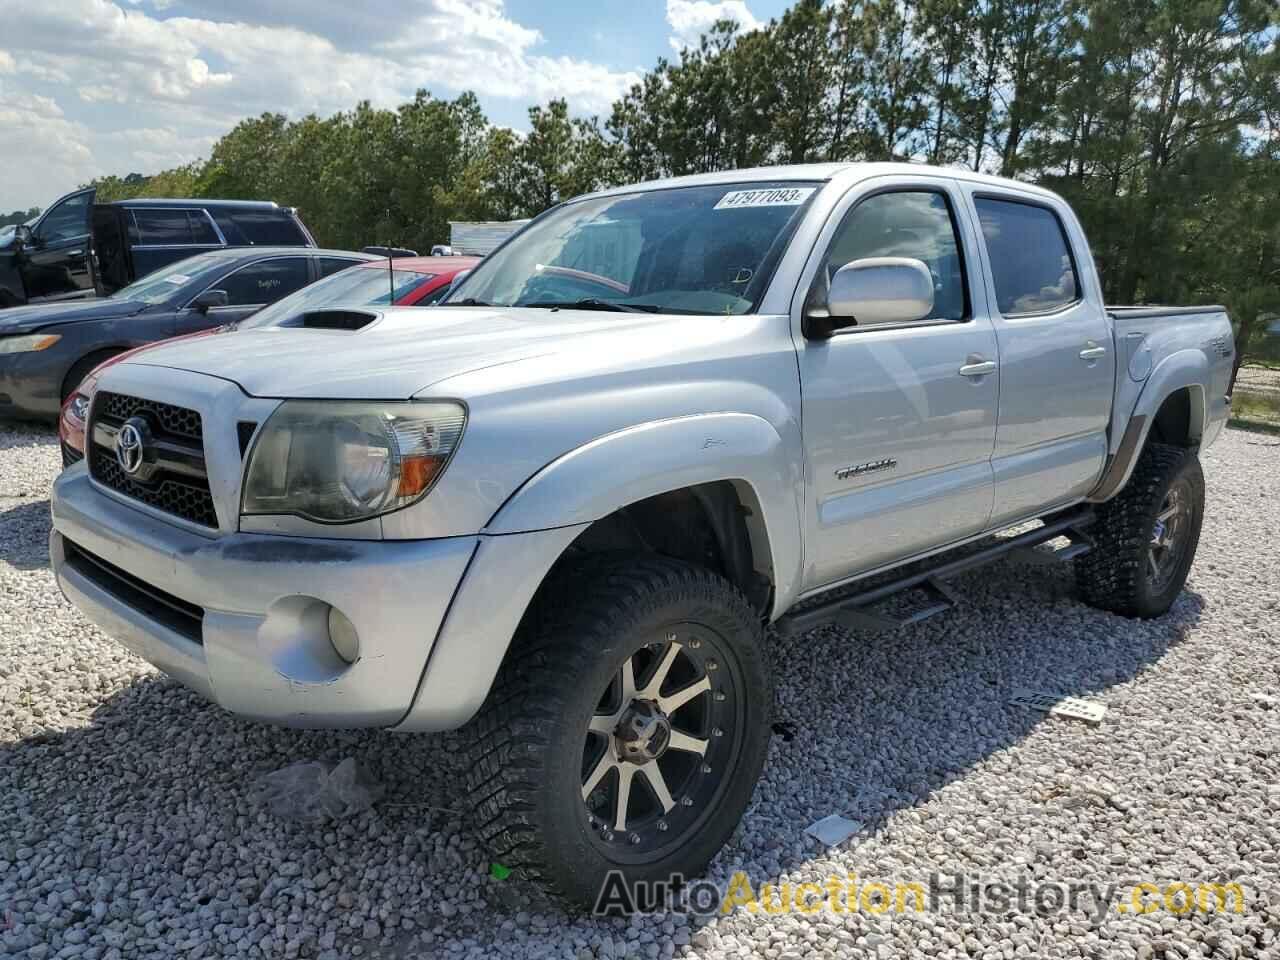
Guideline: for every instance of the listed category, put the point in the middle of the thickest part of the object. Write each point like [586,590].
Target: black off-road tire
[1114,574]
[526,746]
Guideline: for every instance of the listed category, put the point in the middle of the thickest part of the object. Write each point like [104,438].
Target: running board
[852,610]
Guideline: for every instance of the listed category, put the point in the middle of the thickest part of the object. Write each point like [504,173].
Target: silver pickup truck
[566,508]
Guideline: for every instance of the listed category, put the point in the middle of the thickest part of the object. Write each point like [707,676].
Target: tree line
[1159,120]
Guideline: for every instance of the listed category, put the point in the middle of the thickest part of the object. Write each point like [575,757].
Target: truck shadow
[878,724]
[24,543]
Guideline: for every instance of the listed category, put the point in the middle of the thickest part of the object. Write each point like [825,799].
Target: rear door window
[1031,261]
[269,228]
[265,282]
[202,231]
[163,227]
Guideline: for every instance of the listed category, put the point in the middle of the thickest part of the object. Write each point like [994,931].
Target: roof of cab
[824,172]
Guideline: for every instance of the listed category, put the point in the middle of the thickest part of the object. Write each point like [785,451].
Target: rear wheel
[625,731]
[1146,537]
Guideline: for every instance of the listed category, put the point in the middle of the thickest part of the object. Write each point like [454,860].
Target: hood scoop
[333,320]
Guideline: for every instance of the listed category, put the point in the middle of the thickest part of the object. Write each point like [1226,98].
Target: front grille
[177,421]
[176,480]
[186,619]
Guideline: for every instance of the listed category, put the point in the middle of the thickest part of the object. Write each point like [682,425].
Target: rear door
[249,288]
[1057,366]
[899,420]
[55,264]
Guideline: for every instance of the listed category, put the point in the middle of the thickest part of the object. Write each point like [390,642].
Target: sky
[94,87]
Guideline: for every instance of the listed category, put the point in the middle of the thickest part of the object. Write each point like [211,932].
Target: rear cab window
[1031,261]
[268,228]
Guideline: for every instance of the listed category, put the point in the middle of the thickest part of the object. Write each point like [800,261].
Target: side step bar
[850,610]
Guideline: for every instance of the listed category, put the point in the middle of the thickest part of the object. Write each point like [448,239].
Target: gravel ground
[1259,379]
[128,826]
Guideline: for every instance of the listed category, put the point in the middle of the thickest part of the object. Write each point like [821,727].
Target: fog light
[343,636]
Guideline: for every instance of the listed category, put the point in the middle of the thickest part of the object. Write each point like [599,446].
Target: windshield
[171,281]
[353,287]
[698,250]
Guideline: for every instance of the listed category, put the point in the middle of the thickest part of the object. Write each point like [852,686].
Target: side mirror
[870,292]
[23,237]
[209,299]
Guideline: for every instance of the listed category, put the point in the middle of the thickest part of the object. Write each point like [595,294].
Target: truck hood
[37,317]
[405,351]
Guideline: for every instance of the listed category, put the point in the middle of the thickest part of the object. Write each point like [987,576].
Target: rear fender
[1183,370]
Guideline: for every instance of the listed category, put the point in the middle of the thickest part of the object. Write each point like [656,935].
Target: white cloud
[122,65]
[689,19]
[41,146]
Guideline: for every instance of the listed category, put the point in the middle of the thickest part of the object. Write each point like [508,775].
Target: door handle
[75,253]
[1092,351]
[977,367]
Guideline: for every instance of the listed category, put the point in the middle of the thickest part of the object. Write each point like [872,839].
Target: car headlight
[29,344]
[340,461]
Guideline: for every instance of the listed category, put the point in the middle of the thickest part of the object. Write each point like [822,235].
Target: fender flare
[1185,369]
[618,469]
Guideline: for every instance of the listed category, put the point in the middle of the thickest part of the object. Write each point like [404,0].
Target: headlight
[29,344]
[336,462]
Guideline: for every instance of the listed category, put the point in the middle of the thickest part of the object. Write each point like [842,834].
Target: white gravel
[127,828]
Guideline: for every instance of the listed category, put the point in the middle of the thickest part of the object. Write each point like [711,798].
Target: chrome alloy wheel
[662,738]
[1168,537]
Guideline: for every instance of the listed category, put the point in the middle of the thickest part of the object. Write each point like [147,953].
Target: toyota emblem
[129,450]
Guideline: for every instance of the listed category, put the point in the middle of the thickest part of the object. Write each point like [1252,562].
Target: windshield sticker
[178,278]
[779,197]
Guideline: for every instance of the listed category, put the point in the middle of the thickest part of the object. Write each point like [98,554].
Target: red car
[409,282]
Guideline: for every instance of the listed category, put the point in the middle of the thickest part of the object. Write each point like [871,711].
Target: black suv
[78,248]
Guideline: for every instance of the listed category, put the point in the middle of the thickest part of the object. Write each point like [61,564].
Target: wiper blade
[592,303]
[468,302]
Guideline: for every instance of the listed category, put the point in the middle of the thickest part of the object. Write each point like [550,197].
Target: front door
[1057,365]
[55,260]
[899,420]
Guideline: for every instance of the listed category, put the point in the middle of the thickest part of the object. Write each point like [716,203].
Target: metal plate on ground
[1073,708]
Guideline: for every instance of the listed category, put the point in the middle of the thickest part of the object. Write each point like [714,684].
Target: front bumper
[259,645]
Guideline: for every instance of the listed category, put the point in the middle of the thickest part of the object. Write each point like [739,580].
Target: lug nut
[634,838]
[717,732]
[706,768]
[687,801]
[662,825]
[719,696]
[694,643]
[607,835]
[712,665]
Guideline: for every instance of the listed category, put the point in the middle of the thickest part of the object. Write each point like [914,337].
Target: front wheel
[625,731]
[1146,537]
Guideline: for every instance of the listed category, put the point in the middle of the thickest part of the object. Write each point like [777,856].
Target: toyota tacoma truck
[658,425]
